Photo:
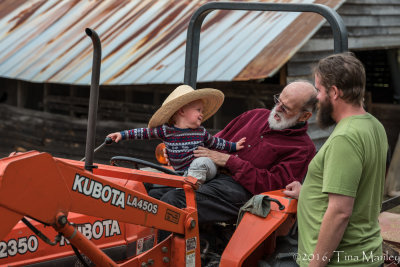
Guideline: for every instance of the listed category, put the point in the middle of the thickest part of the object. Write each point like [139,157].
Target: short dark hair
[346,72]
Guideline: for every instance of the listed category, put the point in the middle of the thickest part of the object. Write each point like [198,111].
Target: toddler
[178,123]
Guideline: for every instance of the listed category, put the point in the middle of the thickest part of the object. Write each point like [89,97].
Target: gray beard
[284,123]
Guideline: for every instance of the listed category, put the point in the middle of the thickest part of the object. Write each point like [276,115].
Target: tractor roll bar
[93,101]
[193,34]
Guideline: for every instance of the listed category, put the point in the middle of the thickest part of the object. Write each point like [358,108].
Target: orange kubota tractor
[61,212]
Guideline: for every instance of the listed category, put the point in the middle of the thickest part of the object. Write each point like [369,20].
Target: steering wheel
[136,162]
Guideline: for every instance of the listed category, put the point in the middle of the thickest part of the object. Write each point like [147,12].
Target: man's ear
[305,116]
[335,92]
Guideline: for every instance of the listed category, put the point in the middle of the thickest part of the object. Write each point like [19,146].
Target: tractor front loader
[47,189]
[52,207]
[51,190]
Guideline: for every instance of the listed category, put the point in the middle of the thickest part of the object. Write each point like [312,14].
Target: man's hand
[116,137]
[293,189]
[239,144]
[218,158]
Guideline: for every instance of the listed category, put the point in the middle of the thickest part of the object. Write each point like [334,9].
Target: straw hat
[182,96]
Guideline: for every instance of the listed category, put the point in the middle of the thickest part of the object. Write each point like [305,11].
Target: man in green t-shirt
[341,197]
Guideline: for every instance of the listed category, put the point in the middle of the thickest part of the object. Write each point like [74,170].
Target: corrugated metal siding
[143,41]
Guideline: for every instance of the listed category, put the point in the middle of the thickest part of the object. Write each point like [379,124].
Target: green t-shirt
[352,162]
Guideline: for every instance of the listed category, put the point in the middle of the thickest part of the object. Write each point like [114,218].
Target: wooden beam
[46,92]
[21,97]
[392,184]
[393,60]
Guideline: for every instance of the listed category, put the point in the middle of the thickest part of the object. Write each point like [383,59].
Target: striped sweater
[180,143]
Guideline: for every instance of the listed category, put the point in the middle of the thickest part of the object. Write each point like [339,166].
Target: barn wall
[371,25]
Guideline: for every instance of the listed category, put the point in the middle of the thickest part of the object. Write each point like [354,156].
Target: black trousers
[218,200]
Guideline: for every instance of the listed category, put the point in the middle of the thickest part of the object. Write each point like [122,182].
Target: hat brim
[212,99]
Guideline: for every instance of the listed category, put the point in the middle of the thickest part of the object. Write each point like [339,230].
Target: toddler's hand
[239,144]
[166,156]
[116,137]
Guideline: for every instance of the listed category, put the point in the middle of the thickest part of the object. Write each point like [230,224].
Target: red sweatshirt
[271,159]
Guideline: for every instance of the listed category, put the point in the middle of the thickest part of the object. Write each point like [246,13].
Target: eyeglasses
[277,101]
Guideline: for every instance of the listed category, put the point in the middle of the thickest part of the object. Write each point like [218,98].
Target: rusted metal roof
[143,41]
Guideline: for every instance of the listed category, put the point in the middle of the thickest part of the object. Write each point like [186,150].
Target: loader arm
[44,188]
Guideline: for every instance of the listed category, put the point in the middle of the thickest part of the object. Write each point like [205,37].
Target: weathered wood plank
[63,136]
[378,2]
[371,25]
[392,183]
[360,31]
[365,42]
[389,116]
[369,9]
[371,21]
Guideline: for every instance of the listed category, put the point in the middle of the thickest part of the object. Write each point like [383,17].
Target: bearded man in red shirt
[277,152]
